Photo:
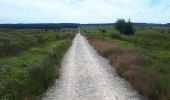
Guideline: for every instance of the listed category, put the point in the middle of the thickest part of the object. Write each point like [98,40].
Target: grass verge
[29,74]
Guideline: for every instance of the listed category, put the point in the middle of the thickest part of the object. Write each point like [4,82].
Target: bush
[103,31]
[169,31]
[162,31]
[115,36]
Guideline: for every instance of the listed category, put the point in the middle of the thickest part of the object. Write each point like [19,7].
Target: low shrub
[28,75]
[146,70]
[15,41]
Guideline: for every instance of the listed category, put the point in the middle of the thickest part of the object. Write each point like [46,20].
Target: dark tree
[128,30]
[103,31]
[120,25]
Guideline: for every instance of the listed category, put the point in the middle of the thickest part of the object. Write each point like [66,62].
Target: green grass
[15,41]
[152,46]
[32,72]
[30,61]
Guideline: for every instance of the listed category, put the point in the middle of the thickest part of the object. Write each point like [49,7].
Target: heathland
[30,61]
[142,58]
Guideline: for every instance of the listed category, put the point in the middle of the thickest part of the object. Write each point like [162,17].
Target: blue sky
[84,11]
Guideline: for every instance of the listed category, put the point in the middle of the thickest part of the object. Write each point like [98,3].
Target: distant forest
[40,26]
[68,25]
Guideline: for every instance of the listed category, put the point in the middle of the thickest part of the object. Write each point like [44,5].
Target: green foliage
[29,60]
[15,41]
[120,25]
[103,31]
[124,27]
[32,72]
[162,31]
[151,41]
[169,31]
[153,48]
[128,28]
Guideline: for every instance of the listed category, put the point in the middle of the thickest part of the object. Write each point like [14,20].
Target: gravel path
[87,76]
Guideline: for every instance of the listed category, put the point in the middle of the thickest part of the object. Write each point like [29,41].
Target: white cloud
[83,11]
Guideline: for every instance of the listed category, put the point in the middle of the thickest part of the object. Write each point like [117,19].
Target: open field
[14,41]
[30,61]
[142,59]
[84,49]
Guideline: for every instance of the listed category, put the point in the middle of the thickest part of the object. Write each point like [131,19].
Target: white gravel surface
[87,76]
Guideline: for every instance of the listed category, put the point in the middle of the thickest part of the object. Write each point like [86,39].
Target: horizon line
[82,23]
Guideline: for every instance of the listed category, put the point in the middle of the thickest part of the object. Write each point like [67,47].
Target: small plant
[162,31]
[115,36]
[169,31]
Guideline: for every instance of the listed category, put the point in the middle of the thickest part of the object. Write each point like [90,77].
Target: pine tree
[128,30]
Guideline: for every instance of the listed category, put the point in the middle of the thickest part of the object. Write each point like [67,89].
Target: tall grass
[29,74]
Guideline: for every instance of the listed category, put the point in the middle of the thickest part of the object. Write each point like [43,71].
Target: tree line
[41,26]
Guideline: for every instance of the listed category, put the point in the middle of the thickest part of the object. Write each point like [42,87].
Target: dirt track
[87,76]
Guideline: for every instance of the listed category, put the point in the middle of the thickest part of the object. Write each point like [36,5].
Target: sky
[84,11]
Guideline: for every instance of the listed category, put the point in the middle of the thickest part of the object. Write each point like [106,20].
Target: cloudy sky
[84,11]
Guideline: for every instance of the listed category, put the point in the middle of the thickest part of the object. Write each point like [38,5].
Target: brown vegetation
[127,63]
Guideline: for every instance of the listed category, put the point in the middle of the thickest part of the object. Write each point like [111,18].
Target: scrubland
[142,58]
[30,61]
